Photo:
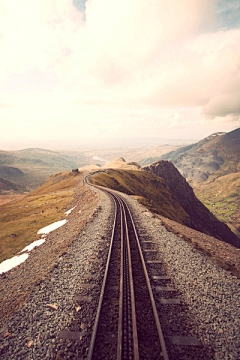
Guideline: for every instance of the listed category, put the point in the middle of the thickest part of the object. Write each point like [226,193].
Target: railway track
[124,323]
[127,325]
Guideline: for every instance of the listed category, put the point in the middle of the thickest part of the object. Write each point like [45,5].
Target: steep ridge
[214,156]
[200,218]
[197,161]
[149,189]
[212,166]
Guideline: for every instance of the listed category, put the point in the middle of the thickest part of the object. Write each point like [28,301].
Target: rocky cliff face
[200,218]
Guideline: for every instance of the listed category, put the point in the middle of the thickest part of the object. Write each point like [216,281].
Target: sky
[75,72]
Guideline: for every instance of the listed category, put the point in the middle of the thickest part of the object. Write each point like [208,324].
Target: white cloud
[145,55]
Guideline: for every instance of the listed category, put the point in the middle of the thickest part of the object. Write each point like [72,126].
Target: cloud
[202,72]
[35,34]
[133,33]
[139,54]
[223,105]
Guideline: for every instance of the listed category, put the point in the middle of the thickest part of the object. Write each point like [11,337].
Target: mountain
[212,166]
[7,187]
[214,156]
[199,217]
[150,190]
[21,219]
[30,167]
[163,190]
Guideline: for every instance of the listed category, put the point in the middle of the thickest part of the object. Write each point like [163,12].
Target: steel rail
[120,311]
[123,204]
[158,325]
[126,276]
[95,326]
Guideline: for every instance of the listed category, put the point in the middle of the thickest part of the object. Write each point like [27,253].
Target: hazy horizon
[88,144]
[106,72]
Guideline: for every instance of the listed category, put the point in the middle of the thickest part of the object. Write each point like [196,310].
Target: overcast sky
[99,69]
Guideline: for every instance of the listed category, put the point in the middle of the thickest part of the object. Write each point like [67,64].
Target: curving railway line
[127,325]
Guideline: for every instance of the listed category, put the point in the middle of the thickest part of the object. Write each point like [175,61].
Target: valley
[24,170]
[213,163]
[43,300]
[212,168]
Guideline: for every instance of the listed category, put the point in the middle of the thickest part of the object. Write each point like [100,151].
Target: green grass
[222,198]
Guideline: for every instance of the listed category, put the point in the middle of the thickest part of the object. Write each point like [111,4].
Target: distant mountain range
[211,166]
[214,156]
[30,167]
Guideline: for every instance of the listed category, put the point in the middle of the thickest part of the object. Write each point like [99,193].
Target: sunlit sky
[76,71]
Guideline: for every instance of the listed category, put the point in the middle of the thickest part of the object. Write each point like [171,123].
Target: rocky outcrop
[200,218]
[120,163]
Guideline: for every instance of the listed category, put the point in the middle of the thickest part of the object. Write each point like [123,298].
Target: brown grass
[150,190]
[4,199]
[20,220]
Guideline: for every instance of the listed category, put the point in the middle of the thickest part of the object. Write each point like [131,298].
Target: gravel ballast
[33,331]
[211,294]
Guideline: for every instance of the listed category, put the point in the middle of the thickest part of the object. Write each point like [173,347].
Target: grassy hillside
[7,187]
[212,167]
[149,189]
[30,167]
[222,198]
[20,220]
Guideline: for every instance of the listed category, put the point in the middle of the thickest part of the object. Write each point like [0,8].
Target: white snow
[33,245]
[51,227]
[69,211]
[11,263]
[17,260]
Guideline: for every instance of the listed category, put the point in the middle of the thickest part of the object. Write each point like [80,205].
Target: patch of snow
[69,211]
[51,227]
[11,263]
[33,245]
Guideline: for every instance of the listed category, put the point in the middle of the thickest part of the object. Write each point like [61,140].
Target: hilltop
[120,163]
[149,189]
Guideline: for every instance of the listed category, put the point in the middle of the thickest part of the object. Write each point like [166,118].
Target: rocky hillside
[200,218]
[163,190]
[214,156]
[212,166]
[149,189]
